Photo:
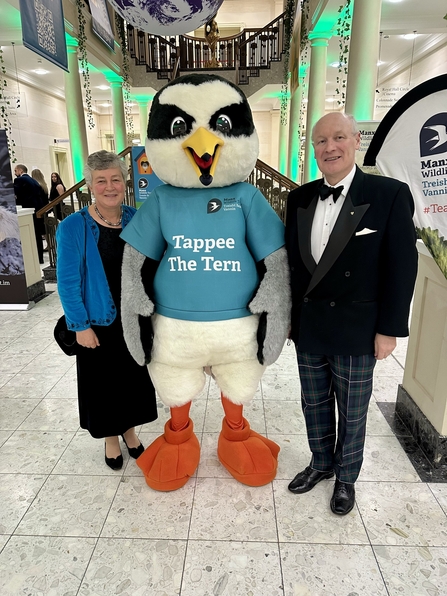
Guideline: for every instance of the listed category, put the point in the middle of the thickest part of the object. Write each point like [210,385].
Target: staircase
[242,58]
[273,185]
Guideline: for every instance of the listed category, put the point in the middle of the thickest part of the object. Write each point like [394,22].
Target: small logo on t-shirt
[214,206]
[231,203]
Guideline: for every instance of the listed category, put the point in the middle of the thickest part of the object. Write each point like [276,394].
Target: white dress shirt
[326,215]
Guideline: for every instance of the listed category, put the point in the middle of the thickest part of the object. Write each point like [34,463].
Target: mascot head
[201,133]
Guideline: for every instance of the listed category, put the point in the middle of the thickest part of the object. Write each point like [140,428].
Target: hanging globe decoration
[166,17]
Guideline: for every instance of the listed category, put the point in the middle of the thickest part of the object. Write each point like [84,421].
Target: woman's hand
[87,338]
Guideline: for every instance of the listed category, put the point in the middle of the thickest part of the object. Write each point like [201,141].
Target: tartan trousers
[347,380]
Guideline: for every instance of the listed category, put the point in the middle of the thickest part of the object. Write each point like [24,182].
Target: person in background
[29,194]
[352,253]
[57,189]
[39,177]
[115,394]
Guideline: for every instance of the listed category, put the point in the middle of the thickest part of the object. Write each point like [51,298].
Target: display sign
[144,178]
[101,24]
[367,129]
[13,290]
[410,144]
[43,30]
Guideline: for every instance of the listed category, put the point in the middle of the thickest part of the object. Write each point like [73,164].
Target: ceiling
[398,18]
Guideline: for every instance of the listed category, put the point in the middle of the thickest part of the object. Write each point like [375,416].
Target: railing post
[131,40]
[183,53]
[141,48]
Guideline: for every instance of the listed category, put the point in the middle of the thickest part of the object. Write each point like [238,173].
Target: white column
[75,114]
[317,97]
[142,105]
[363,56]
[283,148]
[293,166]
[118,115]
[275,136]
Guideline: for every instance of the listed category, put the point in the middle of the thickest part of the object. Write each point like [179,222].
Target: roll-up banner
[410,144]
[13,290]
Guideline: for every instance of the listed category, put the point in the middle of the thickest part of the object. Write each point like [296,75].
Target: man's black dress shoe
[343,499]
[116,463]
[307,479]
[134,452]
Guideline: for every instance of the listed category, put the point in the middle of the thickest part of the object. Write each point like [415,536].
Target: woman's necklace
[118,223]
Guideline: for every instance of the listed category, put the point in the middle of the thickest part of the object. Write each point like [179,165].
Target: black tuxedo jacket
[364,281]
[29,193]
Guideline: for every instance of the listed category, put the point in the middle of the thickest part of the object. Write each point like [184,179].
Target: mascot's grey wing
[273,302]
[134,302]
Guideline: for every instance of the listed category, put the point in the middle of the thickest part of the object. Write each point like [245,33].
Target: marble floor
[70,526]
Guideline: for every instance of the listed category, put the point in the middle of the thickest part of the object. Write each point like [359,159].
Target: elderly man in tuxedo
[352,253]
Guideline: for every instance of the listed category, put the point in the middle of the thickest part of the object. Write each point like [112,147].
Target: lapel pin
[352,212]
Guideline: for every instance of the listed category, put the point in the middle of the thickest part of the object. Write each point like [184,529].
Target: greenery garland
[289,19]
[82,45]
[4,109]
[343,31]
[304,32]
[304,50]
[121,30]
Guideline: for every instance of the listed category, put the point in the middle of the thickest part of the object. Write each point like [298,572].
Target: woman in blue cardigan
[115,394]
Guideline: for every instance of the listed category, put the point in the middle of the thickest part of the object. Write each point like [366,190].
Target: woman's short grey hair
[103,160]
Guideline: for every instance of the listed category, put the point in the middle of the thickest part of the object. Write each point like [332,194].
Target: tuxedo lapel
[305,218]
[350,215]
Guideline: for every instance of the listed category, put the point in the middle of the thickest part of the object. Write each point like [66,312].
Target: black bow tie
[325,191]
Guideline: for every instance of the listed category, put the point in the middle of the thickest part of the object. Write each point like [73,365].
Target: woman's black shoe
[116,463]
[134,452]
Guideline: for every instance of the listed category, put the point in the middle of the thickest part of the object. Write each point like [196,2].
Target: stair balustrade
[274,186]
[246,53]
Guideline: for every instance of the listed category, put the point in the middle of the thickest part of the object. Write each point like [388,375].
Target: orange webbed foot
[248,456]
[171,459]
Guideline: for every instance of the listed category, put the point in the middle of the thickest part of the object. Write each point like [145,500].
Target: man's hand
[87,338]
[383,345]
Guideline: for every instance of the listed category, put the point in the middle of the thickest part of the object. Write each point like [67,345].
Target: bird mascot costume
[205,260]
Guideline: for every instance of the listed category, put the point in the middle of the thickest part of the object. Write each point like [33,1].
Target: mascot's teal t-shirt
[208,242]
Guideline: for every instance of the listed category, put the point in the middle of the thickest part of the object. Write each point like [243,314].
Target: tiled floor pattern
[70,526]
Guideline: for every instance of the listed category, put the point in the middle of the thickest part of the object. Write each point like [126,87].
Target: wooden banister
[256,32]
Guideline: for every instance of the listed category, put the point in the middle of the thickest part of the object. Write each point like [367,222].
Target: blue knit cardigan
[81,279]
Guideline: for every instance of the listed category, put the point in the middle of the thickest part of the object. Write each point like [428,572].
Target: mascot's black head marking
[239,114]
[240,117]
[201,132]
[160,128]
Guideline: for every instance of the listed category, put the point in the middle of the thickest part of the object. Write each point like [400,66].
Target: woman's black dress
[114,392]
[54,193]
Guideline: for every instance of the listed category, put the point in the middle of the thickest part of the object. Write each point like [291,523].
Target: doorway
[59,163]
